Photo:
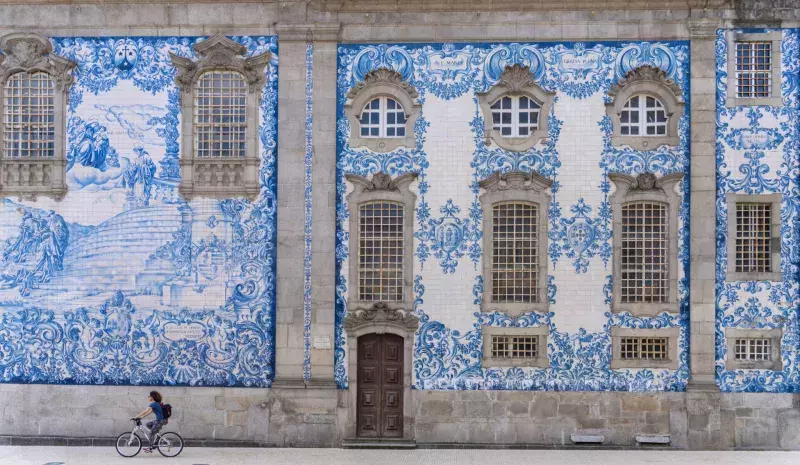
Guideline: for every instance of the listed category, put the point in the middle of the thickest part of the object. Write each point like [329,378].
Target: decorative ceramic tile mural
[123,282]
[758,152]
[451,155]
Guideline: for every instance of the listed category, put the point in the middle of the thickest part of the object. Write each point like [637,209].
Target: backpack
[166,410]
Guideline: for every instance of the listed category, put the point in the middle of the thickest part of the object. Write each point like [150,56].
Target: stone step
[378,443]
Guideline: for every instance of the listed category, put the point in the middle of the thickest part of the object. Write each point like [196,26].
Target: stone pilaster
[291,187]
[703,191]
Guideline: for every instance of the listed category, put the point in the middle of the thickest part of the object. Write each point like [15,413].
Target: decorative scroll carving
[516,78]
[383,76]
[31,177]
[382,182]
[516,180]
[647,73]
[215,177]
[380,314]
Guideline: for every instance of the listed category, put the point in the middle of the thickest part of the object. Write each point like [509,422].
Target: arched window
[515,252]
[220,114]
[383,117]
[643,115]
[515,116]
[29,123]
[380,251]
[645,108]
[644,253]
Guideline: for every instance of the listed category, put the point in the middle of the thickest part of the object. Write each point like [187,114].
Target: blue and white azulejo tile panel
[451,155]
[758,152]
[123,282]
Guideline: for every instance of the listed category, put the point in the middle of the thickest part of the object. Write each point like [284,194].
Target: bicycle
[169,444]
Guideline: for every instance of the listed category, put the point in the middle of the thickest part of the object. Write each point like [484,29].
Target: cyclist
[154,407]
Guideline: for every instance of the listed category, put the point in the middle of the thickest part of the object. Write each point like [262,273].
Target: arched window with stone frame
[34,91]
[645,264]
[515,110]
[220,97]
[645,108]
[382,110]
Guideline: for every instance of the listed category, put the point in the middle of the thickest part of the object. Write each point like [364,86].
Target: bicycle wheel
[170,444]
[128,444]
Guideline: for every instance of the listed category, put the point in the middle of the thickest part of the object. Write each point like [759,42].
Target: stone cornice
[320,32]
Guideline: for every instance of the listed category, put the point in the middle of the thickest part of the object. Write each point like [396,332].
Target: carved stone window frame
[25,177]
[774,200]
[379,318]
[671,363]
[515,186]
[774,334]
[541,360]
[382,82]
[216,177]
[646,81]
[516,81]
[381,188]
[775,37]
[649,188]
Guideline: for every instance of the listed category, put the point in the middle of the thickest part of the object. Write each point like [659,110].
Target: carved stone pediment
[380,314]
[516,78]
[382,182]
[32,52]
[516,180]
[650,74]
[219,52]
[645,181]
[383,76]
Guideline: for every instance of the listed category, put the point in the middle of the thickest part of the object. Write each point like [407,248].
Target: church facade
[341,223]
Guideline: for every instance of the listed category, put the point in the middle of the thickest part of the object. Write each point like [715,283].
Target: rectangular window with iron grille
[753,69]
[753,237]
[645,271]
[753,349]
[29,127]
[644,348]
[515,252]
[220,119]
[381,252]
[515,347]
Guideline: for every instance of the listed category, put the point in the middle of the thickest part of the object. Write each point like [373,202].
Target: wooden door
[380,386]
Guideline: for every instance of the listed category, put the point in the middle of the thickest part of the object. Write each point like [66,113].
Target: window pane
[381,252]
[220,114]
[29,121]
[515,252]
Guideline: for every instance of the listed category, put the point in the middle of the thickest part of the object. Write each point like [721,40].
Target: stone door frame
[379,319]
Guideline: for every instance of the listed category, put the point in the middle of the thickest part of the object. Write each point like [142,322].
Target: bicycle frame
[138,426]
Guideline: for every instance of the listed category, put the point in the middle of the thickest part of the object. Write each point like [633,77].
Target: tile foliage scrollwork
[447,358]
[757,151]
[123,282]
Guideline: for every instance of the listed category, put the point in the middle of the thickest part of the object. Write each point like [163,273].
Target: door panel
[380,386]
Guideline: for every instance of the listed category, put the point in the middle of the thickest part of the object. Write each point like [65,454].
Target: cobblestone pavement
[34,455]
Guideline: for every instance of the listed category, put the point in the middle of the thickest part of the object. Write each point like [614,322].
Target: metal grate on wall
[515,252]
[220,115]
[381,252]
[29,128]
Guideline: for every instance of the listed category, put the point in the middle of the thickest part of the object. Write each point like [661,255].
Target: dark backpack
[166,411]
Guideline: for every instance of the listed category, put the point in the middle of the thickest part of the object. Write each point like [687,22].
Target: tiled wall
[451,155]
[758,152]
[123,282]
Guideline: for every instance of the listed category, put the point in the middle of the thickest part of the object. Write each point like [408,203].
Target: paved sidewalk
[35,455]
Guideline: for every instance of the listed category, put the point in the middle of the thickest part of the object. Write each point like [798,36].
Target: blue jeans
[154,427]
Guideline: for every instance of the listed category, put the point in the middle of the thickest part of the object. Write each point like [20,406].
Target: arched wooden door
[380,386]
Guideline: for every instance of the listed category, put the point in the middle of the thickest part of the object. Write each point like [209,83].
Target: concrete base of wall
[315,417]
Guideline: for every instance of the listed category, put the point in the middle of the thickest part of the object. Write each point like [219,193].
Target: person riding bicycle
[153,407]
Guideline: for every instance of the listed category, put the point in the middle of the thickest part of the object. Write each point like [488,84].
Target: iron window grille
[753,69]
[381,251]
[753,350]
[753,236]
[515,347]
[515,252]
[29,129]
[645,268]
[220,115]
[644,348]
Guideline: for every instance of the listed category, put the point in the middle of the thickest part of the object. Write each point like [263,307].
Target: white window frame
[383,111]
[642,111]
[732,94]
[516,112]
[382,83]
